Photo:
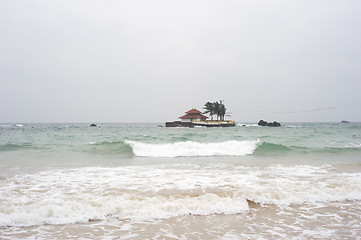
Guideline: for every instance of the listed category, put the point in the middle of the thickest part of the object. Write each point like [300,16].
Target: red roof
[191,116]
[193,111]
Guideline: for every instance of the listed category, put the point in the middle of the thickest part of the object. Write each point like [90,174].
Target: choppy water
[135,181]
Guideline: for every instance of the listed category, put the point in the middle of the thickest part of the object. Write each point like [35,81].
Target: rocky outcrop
[269,124]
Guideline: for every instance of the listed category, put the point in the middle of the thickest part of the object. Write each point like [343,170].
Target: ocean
[145,181]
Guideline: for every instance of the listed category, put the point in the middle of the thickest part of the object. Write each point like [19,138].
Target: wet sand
[319,221]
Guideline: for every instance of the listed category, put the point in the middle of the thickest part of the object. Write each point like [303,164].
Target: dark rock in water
[93,125]
[276,124]
[269,124]
[262,123]
[344,121]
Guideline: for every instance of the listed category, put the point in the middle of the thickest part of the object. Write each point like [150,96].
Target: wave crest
[110,148]
[193,149]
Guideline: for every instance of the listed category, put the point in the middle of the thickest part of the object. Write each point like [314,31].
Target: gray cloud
[125,61]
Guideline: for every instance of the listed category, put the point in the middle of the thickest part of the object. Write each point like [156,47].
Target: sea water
[145,181]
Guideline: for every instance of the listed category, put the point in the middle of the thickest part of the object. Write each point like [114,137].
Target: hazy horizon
[100,124]
[150,61]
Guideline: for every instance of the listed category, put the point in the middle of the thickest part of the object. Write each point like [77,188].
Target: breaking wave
[228,148]
[193,149]
[164,191]
[110,148]
[130,148]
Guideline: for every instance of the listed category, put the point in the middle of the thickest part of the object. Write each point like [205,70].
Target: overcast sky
[150,61]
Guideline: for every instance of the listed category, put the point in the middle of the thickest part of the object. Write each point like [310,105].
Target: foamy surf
[193,149]
[165,191]
[121,206]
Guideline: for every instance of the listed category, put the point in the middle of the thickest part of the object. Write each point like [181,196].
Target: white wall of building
[186,120]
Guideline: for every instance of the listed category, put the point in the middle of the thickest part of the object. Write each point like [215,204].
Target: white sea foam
[354,145]
[165,191]
[64,210]
[193,149]
[62,197]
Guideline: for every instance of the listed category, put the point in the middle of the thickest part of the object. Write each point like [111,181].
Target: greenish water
[79,144]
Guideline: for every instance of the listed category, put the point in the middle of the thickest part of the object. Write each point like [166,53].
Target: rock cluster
[269,124]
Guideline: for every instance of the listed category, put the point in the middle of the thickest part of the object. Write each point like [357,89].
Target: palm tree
[222,111]
[209,107]
[216,106]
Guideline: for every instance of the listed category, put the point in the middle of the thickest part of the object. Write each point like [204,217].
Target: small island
[195,117]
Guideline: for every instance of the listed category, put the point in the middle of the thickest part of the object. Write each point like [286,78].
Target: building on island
[194,117]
